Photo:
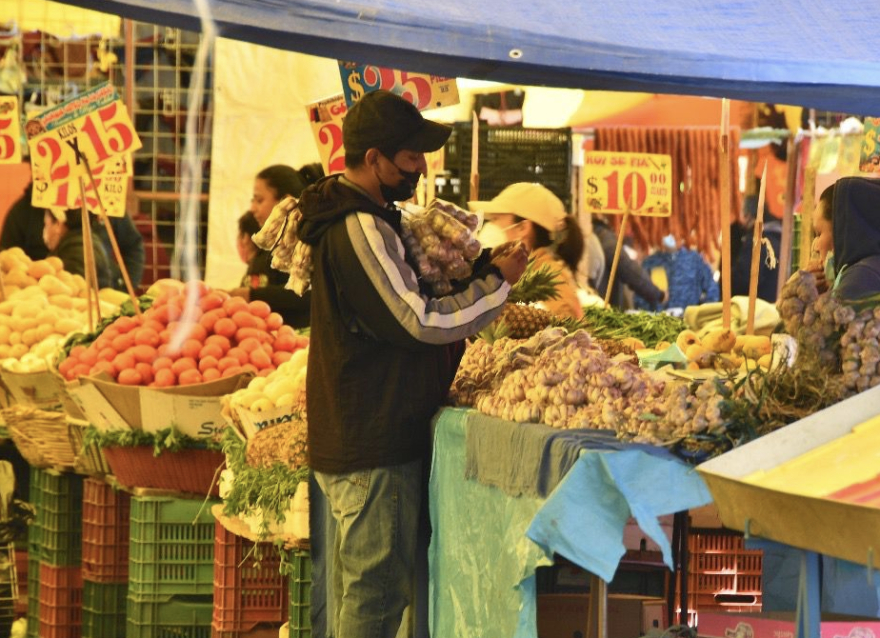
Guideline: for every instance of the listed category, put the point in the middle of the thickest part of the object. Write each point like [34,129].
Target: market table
[532,492]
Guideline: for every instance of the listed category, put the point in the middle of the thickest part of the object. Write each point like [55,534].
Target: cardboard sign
[640,182]
[253,422]
[424,90]
[869,155]
[93,128]
[325,117]
[10,130]
[112,189]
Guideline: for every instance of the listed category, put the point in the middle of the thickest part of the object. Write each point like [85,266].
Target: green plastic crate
[34,497]
[300,621]
[104,609]
[180,617]
[171,550]
[60,518]
[33,592]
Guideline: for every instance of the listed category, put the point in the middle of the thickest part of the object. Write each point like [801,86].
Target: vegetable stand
[487,540]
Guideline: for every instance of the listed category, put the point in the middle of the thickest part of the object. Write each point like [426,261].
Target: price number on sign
[640,183]
[326,120]
[423,90]
[10,134]
[100,136]
[112,190]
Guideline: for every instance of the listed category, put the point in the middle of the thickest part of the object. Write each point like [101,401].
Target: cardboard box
[567,615]
[782,625]
[253,422]
[42,390]
[195,410]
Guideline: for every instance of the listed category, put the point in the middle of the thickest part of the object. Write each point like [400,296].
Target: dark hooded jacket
[383,350]
[856,231]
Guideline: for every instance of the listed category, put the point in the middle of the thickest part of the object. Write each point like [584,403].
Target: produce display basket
[59,515]
[172,548]
[168,617]
[105,531]
[300,620]
[40,436]
[104,609]
[61,599]
[192,471]
[89,461]
[248,586]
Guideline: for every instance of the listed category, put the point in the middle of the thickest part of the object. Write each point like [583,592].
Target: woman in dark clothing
[271,185]
[64,239]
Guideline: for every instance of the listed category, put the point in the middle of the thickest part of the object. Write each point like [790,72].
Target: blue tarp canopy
[813,53]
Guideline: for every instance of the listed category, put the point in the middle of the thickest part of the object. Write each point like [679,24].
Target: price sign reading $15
[424,90]
[10,130]
[325,116]
[640,182]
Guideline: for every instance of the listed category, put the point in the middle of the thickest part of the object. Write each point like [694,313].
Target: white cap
[529,201]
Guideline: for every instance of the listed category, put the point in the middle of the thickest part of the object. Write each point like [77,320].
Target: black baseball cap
[384,120]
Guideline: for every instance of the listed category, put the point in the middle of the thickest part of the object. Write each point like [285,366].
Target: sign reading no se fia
[638,183]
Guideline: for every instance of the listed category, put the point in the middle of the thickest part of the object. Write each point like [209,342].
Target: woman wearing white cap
[532,214]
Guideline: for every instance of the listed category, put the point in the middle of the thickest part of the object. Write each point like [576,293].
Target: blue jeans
[377,519]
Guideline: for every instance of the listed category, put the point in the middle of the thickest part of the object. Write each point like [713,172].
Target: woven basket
[89,461]
[191,471]
[40,436]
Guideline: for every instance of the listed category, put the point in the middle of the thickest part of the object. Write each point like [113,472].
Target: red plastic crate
[723,574]
[248,588]
[191,471]
[105,530]
[61,600]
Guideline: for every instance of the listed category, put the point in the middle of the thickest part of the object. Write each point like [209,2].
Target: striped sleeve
[432,320]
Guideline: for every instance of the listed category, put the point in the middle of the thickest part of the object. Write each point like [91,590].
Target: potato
[687,338]
[720,340]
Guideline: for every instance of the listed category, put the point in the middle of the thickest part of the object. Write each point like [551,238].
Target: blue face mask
[829,267]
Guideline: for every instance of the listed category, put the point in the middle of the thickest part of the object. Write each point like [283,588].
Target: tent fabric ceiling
[810,53]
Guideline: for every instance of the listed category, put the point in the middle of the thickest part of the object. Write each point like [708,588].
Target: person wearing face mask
[683,273]
[846,220]
[271,185]
[532,214]
[383,352]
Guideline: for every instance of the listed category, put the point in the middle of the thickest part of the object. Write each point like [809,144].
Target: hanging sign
[638,183]
[92,129]
[869,157]
[424,90]
[10,130]
[325,116]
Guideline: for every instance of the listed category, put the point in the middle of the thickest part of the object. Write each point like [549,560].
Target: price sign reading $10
[639,182]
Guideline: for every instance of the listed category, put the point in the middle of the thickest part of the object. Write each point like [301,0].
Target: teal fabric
[486,544]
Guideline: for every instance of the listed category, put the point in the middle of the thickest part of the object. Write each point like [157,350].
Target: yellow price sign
[425,91]
[638,183]
[110,180]
[10,130]
[326,116]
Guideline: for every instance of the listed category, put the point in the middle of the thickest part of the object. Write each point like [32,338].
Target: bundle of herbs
[610,323]
[170,439]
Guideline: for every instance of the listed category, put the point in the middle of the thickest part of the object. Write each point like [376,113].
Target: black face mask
[404,189]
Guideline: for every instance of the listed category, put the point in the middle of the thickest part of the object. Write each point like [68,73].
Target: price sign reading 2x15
[638,182]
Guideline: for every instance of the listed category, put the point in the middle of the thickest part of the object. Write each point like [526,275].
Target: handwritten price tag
[423,90]
[10,131]
[325,117]
[642,182]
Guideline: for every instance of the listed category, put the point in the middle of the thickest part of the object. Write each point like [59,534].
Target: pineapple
[521,319]
[284,443]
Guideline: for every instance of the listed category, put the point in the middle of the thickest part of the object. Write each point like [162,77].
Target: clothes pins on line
[475,158]
[113,243]
[724,211]
[756,254]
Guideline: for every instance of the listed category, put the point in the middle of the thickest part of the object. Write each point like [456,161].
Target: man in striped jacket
[383,353]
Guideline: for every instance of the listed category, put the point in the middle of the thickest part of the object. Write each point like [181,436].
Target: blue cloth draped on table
[490,533]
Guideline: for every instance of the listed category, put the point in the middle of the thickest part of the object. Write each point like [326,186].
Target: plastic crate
[33,589]
[60,518]
[171,548]
[248,586]
[104,609]
[723,574]
[188,617]
[507,154]
[35,499]
[300,620]
[105,530]
[61,599]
